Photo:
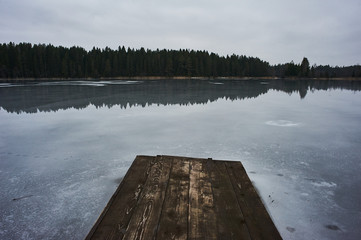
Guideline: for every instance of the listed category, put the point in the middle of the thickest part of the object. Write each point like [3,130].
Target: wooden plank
[256,216]
[114,219]
[230,220]
[201,216]
[145,219]
[174,217]
[167,197]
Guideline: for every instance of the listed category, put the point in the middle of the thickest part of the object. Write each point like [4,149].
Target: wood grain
[114,219]
[256,216]
[174,218]
[201,217]
[231,223]
[144,222]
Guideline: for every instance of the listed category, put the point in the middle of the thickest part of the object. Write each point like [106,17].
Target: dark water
[64,147]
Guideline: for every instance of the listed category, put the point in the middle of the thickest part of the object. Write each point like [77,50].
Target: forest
[26,60]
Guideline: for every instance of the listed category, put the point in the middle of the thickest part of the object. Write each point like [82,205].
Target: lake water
[65,146]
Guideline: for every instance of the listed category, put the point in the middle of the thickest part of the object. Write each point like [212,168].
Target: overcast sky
[277,31]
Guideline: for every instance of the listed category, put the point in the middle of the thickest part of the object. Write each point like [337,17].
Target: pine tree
[305,68]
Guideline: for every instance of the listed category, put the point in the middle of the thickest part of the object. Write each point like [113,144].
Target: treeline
[316,71]
[26,60]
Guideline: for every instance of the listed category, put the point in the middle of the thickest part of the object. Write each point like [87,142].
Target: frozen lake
[64,147]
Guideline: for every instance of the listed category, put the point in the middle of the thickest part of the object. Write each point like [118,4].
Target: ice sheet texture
[64,148]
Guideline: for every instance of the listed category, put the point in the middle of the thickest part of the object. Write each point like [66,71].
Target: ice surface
[282,123]
[58,168]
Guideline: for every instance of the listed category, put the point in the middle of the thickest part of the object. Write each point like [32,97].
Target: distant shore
[11,80]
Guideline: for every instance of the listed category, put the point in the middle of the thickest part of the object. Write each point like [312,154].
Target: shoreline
[12,80]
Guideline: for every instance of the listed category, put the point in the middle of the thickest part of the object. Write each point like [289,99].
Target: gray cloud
[327,32]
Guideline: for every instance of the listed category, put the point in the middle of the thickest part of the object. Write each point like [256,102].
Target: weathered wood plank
[201,216]
[145,219]
[114,219]
[256,216]
[230,220]
[173,221]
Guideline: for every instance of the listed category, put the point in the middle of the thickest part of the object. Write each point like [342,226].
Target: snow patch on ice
[282,123]
[126,82]
[216,83]
[94,84]
[3,85]
[330,193]
[324,184]
[14,179]
[247,153]
[88,83]
[119,82]
[304,163]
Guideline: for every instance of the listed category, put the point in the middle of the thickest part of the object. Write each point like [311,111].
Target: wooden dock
[167,197]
